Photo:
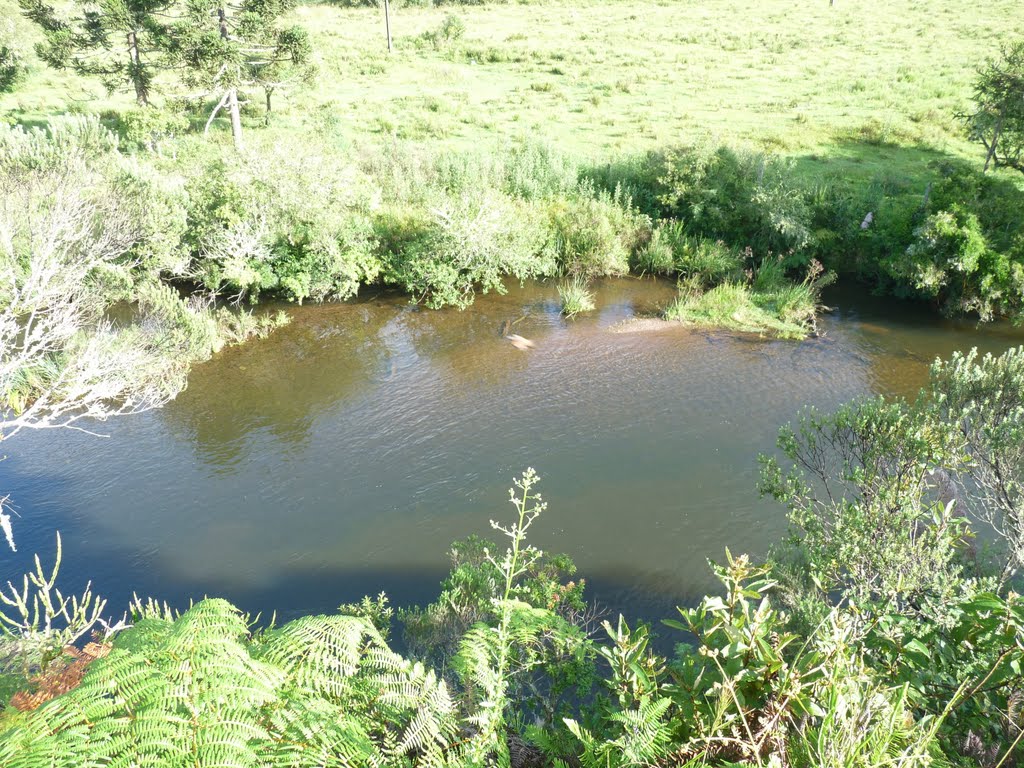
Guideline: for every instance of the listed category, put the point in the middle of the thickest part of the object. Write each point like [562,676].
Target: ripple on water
[344,453]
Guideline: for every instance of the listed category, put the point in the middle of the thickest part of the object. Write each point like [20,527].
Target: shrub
[746,200]
[983,398]
[255,226]
[947,250]
[150,128]
[865,508]
[450,32]
[463,245]
[596,235]
[525,655]
[62,357]
[535,171]
[959,663]
[745,691]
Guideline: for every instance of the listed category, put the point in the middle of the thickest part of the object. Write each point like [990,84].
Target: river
[343,454]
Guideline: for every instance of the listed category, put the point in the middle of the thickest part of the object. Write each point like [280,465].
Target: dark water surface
[343,454]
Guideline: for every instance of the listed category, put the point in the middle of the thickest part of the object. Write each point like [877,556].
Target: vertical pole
[387,22]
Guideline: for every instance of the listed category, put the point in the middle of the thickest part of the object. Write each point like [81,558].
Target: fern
[201,691]
[643,736]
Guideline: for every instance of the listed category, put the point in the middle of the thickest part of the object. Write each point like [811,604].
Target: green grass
[864,88]
[576,297]
[607,77]
[783,310]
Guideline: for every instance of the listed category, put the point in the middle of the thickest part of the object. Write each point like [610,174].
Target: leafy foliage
[983,399]
[254,228]
[998,120]
[745,198]
[322,690]
[463,245]
[120,41]
[864,502]
[596,235]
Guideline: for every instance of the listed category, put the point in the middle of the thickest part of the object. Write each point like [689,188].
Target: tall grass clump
[657,257]
[709,261]
[769,303]
[576,297]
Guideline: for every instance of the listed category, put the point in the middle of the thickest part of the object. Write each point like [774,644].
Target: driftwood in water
[519,342]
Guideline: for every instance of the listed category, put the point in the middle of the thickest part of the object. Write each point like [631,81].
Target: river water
[342,455]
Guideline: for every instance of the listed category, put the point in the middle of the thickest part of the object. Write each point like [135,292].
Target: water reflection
[343,454]
[278,386]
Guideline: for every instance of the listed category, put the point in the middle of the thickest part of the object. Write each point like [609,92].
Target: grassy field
[868,86]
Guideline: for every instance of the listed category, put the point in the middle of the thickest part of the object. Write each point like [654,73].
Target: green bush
[298,227]
[880,531]
[957,245]
[596,235]
[451,30]
[983,398]
[462,246]
[947,250]
[743,199]
[151,128]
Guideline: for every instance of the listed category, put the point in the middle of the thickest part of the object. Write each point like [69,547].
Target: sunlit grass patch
[734,306]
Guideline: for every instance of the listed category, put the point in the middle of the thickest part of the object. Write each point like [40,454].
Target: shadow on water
[899,340]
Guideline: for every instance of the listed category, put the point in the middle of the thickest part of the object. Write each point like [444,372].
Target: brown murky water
[342,455]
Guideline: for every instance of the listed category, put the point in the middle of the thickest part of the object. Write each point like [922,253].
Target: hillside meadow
[858,89]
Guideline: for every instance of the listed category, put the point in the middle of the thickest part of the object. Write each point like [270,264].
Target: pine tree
[998,119]
[226,48]
[118,40]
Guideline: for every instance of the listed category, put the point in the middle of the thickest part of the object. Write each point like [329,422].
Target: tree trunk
[995,140]
[135,71]
[236,118]
[233,110]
